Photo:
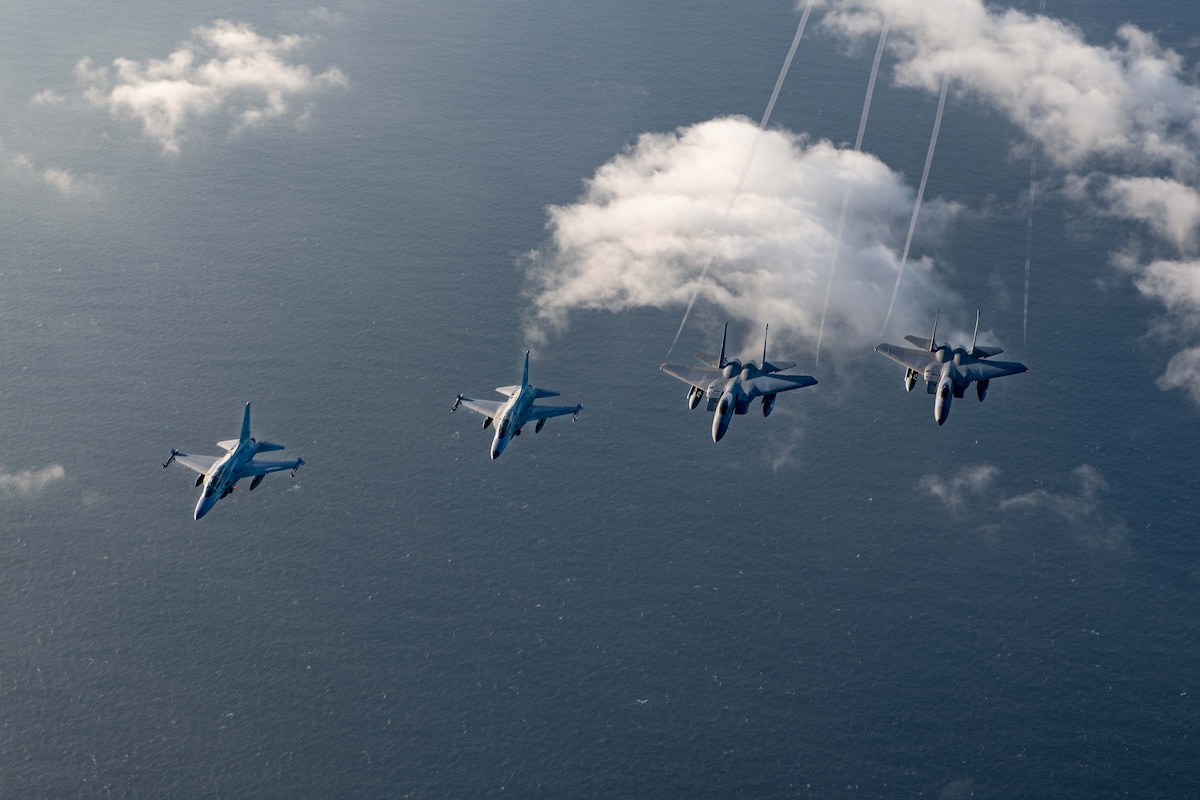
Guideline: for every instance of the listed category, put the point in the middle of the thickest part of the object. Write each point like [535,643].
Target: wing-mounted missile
[575,416]
[295,469]
[457,401]
[170,458]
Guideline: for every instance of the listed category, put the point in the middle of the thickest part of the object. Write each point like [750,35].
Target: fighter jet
[220,474]
[731,386]
[510,417]
[947,373]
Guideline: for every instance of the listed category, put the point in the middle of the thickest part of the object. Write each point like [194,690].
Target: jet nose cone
[495,453]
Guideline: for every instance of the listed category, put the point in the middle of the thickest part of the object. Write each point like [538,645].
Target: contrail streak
[1029,226]
[912,225]
[787,63]
[862,129]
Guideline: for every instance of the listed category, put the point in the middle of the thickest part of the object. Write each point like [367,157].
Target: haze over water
[844,600]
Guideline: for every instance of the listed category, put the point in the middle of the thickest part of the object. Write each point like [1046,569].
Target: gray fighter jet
[947,373]
[510,417]
[731,386]
[220,474]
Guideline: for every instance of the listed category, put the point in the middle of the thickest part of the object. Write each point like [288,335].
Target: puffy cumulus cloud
[1183,372]
[658,217]
[969,484]
[1080,509]
[62,181]
[30,481]
[1129,100]
[225,68]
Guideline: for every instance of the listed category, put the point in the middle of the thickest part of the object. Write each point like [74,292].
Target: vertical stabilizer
[721,360]
[525,373]
[975,335]
[246,424]
[766,328]
[933,336]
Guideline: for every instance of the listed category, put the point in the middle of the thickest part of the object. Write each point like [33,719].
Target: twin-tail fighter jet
[948,372]
[219,474]
[510,417]
[731,386]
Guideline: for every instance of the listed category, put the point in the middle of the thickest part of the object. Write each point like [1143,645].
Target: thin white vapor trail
[1029,228]
[787,63]
[862,129]
[912,225]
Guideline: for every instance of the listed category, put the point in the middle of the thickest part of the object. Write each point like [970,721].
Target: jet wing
[252,467]
[546,412]
[913,359]
[700,377]
[986,370]
[774,384]
[489,408]
[201,464]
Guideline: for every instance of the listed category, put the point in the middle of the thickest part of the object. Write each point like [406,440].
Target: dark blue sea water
[619,607]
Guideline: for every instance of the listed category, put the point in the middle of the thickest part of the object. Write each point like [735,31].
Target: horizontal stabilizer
[770,366]
[986,352]
[543,393]
[267,447]
[508,391]
[228,444]
[923,344]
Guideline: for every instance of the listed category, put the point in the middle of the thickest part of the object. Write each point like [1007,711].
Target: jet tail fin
[245,424]
[975,335]
[721,360]
[933,336]
[525,373]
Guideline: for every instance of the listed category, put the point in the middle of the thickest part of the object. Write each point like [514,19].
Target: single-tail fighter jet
[220,474]
[947,373]
[731,386]
[511,416]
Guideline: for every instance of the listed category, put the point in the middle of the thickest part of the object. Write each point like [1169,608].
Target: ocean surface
[617,608]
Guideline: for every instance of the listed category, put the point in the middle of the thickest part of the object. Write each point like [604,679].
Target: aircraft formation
[728,385]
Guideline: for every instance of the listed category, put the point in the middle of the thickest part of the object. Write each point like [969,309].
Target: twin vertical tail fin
[975,335]
[766,329]
[721,360]
[933,336]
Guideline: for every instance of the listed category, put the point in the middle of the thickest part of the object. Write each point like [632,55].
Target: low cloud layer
[226,69]
[30,481]
[975,492]
[656,216]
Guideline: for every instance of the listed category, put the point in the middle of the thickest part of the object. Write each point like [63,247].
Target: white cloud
[655,216]
[61,180]
[974,490]
[48,97]
[1129,100]
[226,68]
[30,481]
[1080,510]
[970,483]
